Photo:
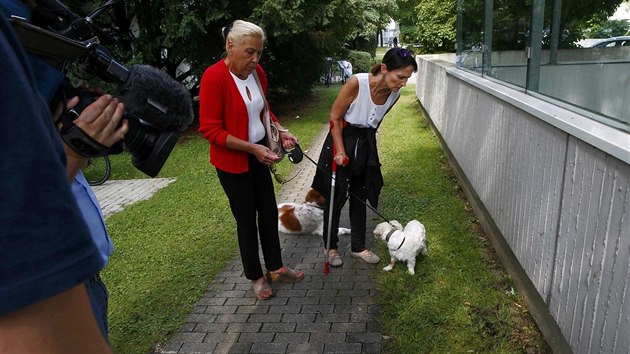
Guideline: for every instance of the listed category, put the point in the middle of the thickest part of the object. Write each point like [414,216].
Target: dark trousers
[253,203]
[358,197]
[98,295]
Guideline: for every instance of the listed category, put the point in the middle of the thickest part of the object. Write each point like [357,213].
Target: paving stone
[114,196]
[211,327]
[240,301]
[298,318]
[285,309]
[313,327]
[221,310]
[350,293]
[198,309]
[328,338]
[345,348]
[230,293]
[273,301]
[334,300]
[290,293]
[201,318]
[195,348]
[188,337]
[231,318]
[348,327]
[364,337]
[305,348]
[262,318]
[252,309]
[256,337]
[188,327]
[221,338]
[268,348]
[291,338]
[243,327]
[353,309]
[232,348]
[278,327]
[333,317]
[171,347]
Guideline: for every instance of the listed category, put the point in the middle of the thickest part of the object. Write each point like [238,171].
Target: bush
[361,61]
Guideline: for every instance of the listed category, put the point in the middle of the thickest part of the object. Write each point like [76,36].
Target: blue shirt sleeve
[45,245]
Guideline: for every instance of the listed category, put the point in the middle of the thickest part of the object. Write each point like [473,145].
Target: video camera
[157,107]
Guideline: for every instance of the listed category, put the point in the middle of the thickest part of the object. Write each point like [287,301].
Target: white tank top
[362,111]
[254,106]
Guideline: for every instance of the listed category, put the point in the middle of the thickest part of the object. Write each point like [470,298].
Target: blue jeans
[98,294]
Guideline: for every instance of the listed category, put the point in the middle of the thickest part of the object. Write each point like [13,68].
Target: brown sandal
[262,289]
[285,274]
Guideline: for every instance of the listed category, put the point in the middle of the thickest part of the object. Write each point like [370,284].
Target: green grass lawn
[460,299]
[169,247]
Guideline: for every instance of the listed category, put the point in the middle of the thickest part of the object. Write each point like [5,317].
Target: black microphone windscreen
[154,96]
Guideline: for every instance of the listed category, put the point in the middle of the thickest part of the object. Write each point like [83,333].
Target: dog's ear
[313,196]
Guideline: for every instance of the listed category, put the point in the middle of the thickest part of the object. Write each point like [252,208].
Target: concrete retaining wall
[556,207]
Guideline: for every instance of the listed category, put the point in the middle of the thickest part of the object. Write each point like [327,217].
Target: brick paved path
[114,196]
[332,313]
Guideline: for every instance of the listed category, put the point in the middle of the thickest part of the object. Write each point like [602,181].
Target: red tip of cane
[332,124]
[326,270]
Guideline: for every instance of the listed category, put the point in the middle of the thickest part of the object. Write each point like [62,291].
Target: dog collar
[389,234]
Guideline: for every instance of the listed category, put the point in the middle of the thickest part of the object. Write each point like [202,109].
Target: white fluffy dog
[306,218]
[403,244]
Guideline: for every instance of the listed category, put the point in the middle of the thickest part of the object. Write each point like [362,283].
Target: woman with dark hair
[231,101]
[351,143]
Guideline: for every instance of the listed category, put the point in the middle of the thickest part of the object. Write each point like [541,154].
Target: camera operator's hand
[102,121]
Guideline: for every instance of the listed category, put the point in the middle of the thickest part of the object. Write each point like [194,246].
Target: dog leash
[295,156]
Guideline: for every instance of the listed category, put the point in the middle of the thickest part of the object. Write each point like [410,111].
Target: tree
[438,19]
[300,34]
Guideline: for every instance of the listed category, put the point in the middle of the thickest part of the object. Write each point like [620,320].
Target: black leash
[295,156]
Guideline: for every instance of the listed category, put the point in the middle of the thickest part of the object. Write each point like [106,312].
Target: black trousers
[253,203]
[358,218]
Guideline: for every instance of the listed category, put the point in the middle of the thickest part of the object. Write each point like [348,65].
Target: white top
[362,111]
[254,103]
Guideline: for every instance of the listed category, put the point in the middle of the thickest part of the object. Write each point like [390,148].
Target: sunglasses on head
[278,177]
[405,53]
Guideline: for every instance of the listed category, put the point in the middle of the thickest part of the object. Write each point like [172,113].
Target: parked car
[622,41]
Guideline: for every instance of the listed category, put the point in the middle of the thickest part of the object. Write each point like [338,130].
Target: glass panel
[510,35]
[584,64]
[471,13]
[591,74]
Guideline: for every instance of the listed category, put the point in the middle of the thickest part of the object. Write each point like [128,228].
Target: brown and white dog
[306,218]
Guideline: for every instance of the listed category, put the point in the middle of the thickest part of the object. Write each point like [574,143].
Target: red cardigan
[222,111]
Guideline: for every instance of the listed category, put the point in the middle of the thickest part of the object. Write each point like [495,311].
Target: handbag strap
[266,116]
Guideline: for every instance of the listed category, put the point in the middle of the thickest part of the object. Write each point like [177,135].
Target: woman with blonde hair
[230,110]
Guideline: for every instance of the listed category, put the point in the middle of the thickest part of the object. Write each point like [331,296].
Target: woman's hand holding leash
[264,155]
[341,159]
[288,140]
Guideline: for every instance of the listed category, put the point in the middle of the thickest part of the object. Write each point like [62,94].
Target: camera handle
[76,138]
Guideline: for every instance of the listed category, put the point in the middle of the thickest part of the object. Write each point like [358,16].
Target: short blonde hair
[240,29]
